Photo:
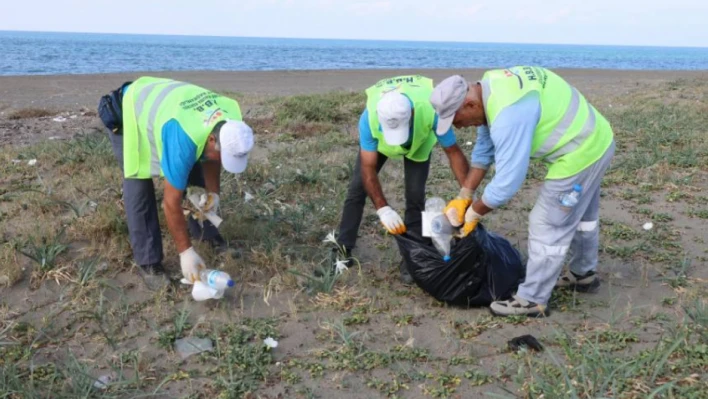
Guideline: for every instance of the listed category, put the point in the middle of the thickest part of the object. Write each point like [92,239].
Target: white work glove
[209,202]
[191,264]
[391,221]
[471,220]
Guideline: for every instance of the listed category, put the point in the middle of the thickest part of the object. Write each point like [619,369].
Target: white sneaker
[518,306]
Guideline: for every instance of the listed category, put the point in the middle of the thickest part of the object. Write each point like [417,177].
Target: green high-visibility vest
[570,135]
[149,103]
[418,89]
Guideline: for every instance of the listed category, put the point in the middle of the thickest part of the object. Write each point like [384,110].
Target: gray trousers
[416,174]
[554,230]
[141,209]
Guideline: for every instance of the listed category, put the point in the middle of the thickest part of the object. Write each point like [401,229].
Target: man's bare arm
[370,179]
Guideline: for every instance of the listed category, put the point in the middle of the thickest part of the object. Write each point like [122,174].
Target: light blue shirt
[368,142]
[179,154]
[508,144]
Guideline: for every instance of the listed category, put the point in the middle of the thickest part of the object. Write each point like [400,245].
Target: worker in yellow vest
[524,113]
[398,123]
[184,133]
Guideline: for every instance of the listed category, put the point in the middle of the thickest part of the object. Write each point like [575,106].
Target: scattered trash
[202,292]
[525,341]
[216,279]
[103,381]
[32,162]
[469,143]
[247,197]
[648,226]
[270,343]
[201,216]
[187,347]
[16,161]
[59,119]
[54,138]
[72,117]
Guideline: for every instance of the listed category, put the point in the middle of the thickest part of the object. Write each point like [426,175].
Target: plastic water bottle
[216,279]
[435,204]
[441,226]
[442,235]
[569,200]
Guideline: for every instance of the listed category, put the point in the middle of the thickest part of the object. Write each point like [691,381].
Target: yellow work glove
[455,209]
[471,221]
[391,221]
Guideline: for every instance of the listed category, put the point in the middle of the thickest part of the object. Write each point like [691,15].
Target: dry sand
[624,288]
[75,97]
[66,92]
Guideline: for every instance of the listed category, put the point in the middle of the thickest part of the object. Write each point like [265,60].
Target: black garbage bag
[484,267]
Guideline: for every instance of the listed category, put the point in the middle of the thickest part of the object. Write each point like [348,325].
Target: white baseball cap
[236,141]
[394,112]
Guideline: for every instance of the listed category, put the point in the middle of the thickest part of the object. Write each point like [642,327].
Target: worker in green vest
[398,123]
[525,113]
[185,134]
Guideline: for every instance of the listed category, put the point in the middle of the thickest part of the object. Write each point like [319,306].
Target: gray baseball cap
[447,99]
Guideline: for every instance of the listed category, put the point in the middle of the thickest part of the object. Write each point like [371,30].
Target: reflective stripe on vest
[152,114]
[576,141]
[561,128]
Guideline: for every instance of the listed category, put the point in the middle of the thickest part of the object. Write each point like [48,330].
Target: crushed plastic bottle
[216,279]
[442,235]
[440,227]
[569,200]
[435,204]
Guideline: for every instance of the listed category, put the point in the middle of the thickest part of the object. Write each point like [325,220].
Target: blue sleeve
[366,138]
[179,154]
[446,140]
[483,151]
[512,134]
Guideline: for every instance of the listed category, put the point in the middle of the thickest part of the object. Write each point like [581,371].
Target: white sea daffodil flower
[340,266]
[330,238]
[270,343]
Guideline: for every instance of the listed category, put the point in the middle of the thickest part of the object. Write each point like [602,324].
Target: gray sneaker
[589,283]
[518,306]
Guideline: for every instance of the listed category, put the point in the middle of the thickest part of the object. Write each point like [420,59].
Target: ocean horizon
[50,53]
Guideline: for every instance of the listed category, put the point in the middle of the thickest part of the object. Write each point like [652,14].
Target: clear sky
[630,22]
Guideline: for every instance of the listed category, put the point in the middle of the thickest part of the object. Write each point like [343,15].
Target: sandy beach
[74,309]
[66,92]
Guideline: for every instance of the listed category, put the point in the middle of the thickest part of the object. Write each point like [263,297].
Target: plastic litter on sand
[187,347]
[103,381]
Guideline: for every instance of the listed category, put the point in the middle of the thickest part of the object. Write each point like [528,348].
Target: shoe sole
[537,314]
